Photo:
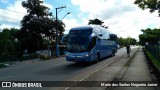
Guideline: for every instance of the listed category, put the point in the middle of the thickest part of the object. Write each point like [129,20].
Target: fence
[51,52]
[154,50]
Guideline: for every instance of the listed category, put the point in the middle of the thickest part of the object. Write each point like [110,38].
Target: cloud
[132,23]
[4,1]
[48,5]
[8,26]
[122,16]
[69,24]
[104,8]
[73,22]
[13,14]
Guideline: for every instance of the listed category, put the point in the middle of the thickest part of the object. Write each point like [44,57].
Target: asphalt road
[54,70]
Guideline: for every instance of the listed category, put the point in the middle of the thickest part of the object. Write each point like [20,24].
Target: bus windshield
[78,41]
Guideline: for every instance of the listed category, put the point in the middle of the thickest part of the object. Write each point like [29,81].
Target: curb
[121,73]
[124,69]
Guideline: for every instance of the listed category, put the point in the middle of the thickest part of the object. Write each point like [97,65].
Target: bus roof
[97,29]
[81,28]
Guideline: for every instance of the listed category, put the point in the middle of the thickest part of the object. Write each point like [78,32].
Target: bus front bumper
[79,58]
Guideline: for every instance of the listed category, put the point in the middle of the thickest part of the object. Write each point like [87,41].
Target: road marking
[98,68]
[84,78]
[67,88]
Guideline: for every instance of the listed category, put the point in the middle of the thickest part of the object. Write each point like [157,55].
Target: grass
[153,59]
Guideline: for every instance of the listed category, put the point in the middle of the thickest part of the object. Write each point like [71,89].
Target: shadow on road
[67,68]
[64,69]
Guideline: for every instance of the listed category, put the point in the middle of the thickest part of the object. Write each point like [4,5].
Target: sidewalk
[132,68]
[138,70]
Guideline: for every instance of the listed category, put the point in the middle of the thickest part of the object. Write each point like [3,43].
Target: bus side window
[64,39]
[92,43]
[113,37]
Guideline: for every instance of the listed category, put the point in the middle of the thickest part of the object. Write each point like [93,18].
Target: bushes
[153,59]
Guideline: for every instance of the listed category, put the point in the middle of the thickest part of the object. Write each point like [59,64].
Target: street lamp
[65,15]
[57,41]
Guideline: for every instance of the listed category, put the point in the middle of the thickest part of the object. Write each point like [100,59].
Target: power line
[11,11]
[68,7]
[74,13]
[56,3]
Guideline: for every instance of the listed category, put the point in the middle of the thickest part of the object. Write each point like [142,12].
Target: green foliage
[153,59]
[35,7]
[29,57]
[125,41]
[97,22]
[153,5]
[150,36]
[37,32]
[37,26]
[8,44]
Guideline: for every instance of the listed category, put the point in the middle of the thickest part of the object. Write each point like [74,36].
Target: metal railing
[154,50]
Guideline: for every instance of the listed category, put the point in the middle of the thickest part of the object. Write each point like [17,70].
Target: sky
[122,16]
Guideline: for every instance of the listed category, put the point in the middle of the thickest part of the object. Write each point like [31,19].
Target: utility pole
[57,39]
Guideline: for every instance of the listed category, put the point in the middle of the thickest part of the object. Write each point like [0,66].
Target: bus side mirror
[91,36]
[100,35]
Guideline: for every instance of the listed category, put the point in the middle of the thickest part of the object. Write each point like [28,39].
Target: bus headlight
[66,54]
[86,55]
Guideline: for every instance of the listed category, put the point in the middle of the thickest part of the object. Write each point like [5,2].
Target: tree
[121,41]
[97,22]
[149,35]
[153,5]
[36,25]
[8,44]
[125,41]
